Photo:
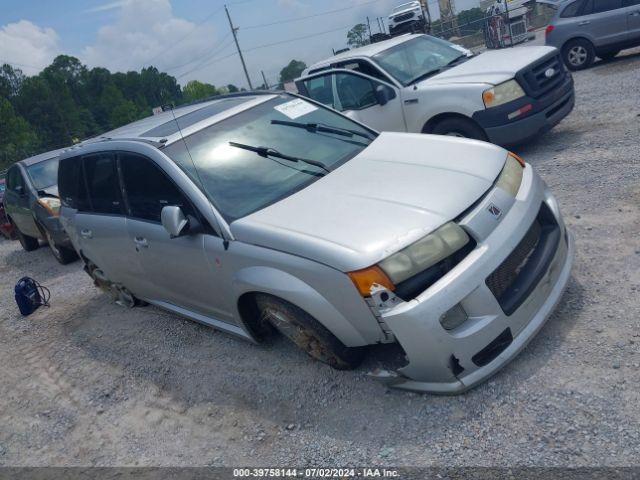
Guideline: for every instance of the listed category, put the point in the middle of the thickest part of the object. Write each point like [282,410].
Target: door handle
[585,22]
[141,242]
[86,233]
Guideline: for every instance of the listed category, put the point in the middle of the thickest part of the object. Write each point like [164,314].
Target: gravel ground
[87,382]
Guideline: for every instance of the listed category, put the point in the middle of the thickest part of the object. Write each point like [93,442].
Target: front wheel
[459,127]
[307,333]
[28,243]
[578,54]
[63,255]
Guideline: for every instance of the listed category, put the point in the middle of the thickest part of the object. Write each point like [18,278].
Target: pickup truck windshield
[44,174]
[239,181]
[418,58]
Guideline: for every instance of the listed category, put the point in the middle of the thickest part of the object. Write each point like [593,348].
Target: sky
[189,39]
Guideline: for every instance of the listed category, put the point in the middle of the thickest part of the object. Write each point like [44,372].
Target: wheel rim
[577,55]
[52,245]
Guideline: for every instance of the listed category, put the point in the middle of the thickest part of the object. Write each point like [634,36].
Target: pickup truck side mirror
[384,94]
[174,221]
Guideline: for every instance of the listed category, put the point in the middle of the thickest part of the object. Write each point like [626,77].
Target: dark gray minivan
[33,207]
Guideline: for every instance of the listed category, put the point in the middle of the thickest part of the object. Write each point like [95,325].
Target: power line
[320,14]
[187,35]
[258,47]
[221,46]
[206,64]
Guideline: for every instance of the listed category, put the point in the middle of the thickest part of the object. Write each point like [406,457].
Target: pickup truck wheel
[62,254]
[28,243]
[578,54]
[307,333]
[459,127]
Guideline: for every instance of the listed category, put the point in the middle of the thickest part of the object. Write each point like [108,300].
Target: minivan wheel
[28,243]
[578,54]
[62,254]
[307,333]
[459,127]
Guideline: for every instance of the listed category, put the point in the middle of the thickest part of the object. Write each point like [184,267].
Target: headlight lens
[424,253]
[510,177]
[51,205]
[503,93]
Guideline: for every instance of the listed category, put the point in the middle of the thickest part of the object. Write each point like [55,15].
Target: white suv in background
[422,84]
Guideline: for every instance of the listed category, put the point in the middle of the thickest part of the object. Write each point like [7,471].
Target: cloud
[27,46]
[147,32]
[107,6]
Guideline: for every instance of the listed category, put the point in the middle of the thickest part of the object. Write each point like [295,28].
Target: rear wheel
[28,243]
[578,54]
[307,333]
[459,127]
[62,254]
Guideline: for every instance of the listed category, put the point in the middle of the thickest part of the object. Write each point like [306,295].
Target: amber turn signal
[364,279]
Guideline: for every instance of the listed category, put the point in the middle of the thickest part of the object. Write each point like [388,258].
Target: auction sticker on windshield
[295,108]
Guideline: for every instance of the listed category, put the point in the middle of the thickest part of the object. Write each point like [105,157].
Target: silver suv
[261,212]
[585,29]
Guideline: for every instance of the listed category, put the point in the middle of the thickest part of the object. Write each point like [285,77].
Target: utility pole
[264,79]
[369,27]
[235,39]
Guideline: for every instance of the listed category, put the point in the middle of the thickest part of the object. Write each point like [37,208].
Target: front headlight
[51,205]
[424,253]
[503,93]
[510,177]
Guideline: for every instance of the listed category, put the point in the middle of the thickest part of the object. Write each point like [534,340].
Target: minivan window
[44,174]
[71,185]
[417,57]
[239,182]
[102,181]
[572,10]
[605,6]
[148,189]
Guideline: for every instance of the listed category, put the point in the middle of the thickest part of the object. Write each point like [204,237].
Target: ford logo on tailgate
[549,72]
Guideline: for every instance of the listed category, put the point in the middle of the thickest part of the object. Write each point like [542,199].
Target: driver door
[357,96]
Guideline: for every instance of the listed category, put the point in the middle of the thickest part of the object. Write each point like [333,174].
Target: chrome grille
[403,17]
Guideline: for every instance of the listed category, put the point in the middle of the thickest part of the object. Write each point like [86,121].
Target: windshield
[44,174]
[416,58]
[239,181]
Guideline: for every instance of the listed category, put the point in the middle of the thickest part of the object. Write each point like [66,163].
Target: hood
[491,67]
[399,189]
[52,191]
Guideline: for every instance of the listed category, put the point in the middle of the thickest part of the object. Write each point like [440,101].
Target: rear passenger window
[71,185]
[102,182]
[572,10]
[148,188]
[320,89]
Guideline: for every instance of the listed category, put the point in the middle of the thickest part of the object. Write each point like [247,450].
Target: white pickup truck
[418,83]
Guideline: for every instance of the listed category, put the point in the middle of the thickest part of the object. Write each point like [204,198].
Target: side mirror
[174,221]
[384,94]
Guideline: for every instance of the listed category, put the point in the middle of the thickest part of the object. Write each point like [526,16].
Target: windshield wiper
[456,60]
[321,127]
[272,152]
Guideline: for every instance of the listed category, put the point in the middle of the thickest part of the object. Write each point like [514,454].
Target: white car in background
[407,16]
[422,84]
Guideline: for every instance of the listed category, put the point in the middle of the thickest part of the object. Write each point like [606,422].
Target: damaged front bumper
[453,361]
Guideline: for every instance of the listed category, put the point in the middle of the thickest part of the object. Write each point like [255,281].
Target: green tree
[357,36]
[17,138]
[292,71]
[470,21]
[195,90]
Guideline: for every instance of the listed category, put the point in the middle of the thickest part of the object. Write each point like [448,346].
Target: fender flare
[269,280]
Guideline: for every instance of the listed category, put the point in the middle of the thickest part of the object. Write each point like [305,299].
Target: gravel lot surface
[87,382]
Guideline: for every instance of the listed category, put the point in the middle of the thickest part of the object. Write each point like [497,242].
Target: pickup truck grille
[535,80]
[404,17]
[518,28]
